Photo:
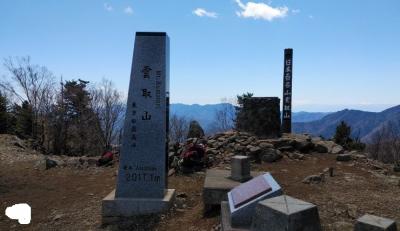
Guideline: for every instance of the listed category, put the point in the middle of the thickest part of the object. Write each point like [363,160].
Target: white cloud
[261,11]
[128,10]
[108,7]
[204,13]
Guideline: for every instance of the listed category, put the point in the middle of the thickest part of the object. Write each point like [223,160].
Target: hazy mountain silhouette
[205,114]
[364,124]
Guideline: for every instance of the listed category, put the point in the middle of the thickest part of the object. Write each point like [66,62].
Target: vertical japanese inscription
[143,159]
[287,92]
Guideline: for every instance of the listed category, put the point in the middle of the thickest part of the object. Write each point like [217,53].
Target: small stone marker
[374,223]
[240,168]
[142,176]
[285,213]
[243,199]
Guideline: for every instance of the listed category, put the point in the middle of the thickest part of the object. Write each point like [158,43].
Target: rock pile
[221,147]
[224,145]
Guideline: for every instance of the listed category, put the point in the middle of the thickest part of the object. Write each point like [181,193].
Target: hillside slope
[363,124]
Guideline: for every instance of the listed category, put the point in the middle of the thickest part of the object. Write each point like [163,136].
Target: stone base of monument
[285,213]
[374,223]
[226,219]
[122,209]
[217,184]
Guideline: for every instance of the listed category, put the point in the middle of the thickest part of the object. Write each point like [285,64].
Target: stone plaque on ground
[250,190]
[243,199]
[285,213]
[142,179]
[218,183]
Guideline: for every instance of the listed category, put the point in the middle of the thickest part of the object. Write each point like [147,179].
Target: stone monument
[287,92]
[142,175]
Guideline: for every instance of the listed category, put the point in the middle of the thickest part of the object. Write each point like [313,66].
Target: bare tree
[385,144]
[107,104]
[32,83]
[178,128]
[224,117]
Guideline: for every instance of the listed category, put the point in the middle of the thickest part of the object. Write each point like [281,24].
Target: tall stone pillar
[287,92]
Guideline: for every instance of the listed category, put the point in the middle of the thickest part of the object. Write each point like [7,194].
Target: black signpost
[287,92]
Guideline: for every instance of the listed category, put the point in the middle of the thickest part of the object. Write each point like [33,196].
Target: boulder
[45,163]
[337,149]
[296,156]
[328,144]
[320,148]
[265,145]
[270,155]
[343,157]
[313,179]
[304,146]
[286,149]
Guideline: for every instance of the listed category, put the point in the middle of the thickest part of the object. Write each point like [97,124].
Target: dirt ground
[70,199]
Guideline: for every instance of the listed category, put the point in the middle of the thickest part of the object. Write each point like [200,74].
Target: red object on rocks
[108,155]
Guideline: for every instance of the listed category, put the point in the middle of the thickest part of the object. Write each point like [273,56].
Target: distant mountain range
[363,124]
[205,114]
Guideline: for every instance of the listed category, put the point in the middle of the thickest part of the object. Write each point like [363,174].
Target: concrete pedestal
[226,219]
[240,168]
[285,213]
[114,209]
[374,223]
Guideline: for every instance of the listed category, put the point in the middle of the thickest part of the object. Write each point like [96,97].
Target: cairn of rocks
[220,148]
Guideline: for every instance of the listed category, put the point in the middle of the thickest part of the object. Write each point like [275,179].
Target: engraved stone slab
[243,198]
[142,168]
[142,174]
[240,168]
[374,223]
[285,213]
[249,190]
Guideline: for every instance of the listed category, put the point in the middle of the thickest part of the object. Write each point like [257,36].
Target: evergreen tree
[4,120]
[195,130]
[241,115]
[81,127]
[342,134]
[23,120]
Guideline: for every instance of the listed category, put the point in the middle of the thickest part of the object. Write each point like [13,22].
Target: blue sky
[346,53]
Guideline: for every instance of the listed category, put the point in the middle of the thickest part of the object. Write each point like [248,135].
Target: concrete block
[285,213]
[374,223]
[240,168]
[114,209]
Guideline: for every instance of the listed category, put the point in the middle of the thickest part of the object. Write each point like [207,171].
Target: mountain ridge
[364,124]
